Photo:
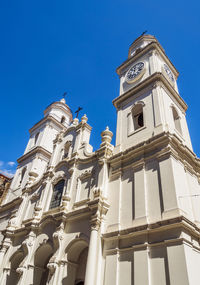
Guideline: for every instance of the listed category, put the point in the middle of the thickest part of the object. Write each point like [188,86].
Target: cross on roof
[64,94]
[77,111]
[143,33]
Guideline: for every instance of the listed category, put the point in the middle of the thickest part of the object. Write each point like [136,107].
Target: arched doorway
[81,267]
[41,259]
[76,255]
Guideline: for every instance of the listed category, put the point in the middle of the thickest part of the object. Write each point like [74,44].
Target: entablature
[157,147]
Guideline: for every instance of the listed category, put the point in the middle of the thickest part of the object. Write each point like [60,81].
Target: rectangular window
[57,194]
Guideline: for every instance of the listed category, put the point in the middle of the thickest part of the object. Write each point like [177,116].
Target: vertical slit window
[22,174]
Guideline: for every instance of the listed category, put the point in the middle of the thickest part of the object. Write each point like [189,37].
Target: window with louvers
[57,194]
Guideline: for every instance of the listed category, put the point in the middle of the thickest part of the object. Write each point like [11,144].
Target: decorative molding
[49,119]
[59,138]
[20,270]
[84,175]
[150,47]
[58,177]
[136,104]
[52,267]
[35,151]
[148,83]
[35,196]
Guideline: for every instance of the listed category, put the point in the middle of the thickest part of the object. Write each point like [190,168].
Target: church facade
[127,213]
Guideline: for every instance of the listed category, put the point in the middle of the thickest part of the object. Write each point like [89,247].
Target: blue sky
[49,47]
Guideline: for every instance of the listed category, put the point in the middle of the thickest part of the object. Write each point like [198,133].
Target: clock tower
[149,102]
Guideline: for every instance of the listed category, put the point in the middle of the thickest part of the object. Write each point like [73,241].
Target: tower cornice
[180,223]
[49,118]
[155,78]
[59,105]
[165,144]
[150,47]
[34,151]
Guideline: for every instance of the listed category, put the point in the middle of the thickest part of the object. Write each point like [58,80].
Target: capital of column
[52,267]
[155,85]
[152,53]
[4,248]
[6,243]
[20,270]
[65,201]
[49,173]
[95,222]
[139,165]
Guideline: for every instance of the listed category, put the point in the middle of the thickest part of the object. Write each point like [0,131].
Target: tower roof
[60,105]
[140,43]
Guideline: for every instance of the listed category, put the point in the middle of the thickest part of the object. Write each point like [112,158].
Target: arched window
[57,194]
[62,120]
[36,137]
[176,118]
[22,174]
[137,115]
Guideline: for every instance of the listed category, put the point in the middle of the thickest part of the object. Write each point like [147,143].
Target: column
[56,150]
[61,274]
[178,271]
[139,194]
[3,251]
[92,255]
[5,274]
[43,202]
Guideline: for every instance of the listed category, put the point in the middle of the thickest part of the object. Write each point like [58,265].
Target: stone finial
[106,136]
[84,119]
[75,121]
[63,100]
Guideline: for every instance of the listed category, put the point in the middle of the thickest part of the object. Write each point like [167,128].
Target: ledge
[159,226]
[152,46]
[156,77]
[46,119]
[37,149]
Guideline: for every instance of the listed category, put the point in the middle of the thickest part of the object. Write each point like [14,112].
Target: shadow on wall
[76,269]
[42,256]
[15,261]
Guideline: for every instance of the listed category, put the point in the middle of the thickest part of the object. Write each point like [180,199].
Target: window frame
[53,203]
[177,120]
[131,117]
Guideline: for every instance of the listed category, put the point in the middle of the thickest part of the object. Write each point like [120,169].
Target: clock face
[134,71]
[168,71]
